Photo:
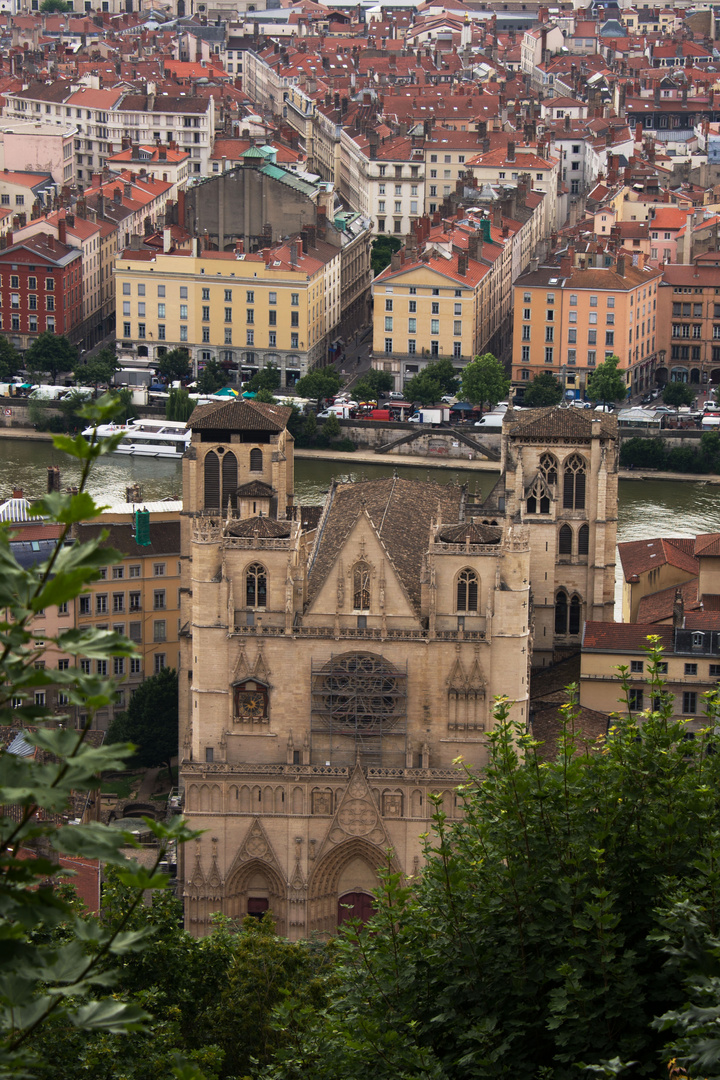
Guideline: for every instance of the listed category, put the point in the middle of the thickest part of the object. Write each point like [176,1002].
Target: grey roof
[240,416]
[556,422]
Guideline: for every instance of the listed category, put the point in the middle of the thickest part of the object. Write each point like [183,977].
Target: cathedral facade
[339,661]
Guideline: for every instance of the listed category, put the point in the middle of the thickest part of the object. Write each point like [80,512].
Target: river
[647,508]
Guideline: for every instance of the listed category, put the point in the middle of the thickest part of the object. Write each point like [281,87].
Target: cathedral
[338,661]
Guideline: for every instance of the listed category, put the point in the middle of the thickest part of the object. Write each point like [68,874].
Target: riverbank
[25,433]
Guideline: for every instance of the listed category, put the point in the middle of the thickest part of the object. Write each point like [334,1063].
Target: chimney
[621,266]
[462,264]
[511,151]
[62,231]
[17,493]
[128,190]
[50,241]
[293,254]
[167,240]
[117,195]
[678,611]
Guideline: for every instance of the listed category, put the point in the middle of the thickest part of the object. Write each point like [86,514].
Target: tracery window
[468,588]
[548,468]
[256,586]
[574,483]
[361,587]
[537,501]
[567,614]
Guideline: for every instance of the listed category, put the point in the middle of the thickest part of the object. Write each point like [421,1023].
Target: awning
[461,406]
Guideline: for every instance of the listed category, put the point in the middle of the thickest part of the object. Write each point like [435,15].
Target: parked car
[448,399]
[580,404]
[395,395]
[663,409]
[604,408]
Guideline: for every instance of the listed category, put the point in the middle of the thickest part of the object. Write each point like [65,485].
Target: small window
[636,666]
[467,591]
[635,699]
[691,669]
[689,702]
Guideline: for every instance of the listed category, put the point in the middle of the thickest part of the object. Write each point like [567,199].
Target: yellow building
[277,306]
[138,596]
[568,319]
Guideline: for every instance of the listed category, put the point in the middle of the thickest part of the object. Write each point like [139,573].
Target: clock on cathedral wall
[251,701]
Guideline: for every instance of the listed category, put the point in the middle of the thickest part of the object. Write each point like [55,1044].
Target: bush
[347,446]
[643,453]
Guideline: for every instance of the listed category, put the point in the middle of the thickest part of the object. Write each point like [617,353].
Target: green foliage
[529,943]
[266,396]
[310,428]
[656,454]
[127,409]
[175,365]
[50,354]
[49,6]
[96,369]
[212,378]
[345,446]
[268,378]
[57,968]
[484,381]
[383,248]
[151,721]
[606,383]
[296,421]
[330,431]
[10,359]
[423,388]
[179,404]
[643,454]
[380,382]
[364,391]
[678,393]
[319,383]
[543,390]
[444,372]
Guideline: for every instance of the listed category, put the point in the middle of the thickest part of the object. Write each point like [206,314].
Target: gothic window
[467,591]
[256,586]
[229,479]
[251,701]
[574,620]
[537,501]
[358,693]
[212,481]
[574,483]
[565,541]
[561,612]
[361,587]
[548,467]
[256,460]
[584,540]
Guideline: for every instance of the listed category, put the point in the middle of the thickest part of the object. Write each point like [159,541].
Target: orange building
[570,318]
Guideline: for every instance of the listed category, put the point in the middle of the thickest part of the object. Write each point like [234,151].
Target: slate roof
[260,526]
[240,416]
[556,422]
[475,532]
[255,489]
[164,537]
[401,511]
[639,556]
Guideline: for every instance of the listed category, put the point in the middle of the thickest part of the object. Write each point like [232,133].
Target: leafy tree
[48,7]
[383,248]
[51,976]
[296,421]
[50,354]
[96,369]
[444,372]
[319,383]
[607,384]
[310,428]
[331,428]
[211,378]
[128,410]
[530,942]
[364,391]
[179,404]
[151,721]
[423,388]
[380,382]
[174,365]
[268,378]
[543,390]
[643,453]
[484,381]
[678,393]
[10,359]
[266,396]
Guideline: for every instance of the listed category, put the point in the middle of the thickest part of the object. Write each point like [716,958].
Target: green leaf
[110,1015]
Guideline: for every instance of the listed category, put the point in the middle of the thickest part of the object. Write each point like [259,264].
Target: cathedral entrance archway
[355,905]
[254,888]
[349,869]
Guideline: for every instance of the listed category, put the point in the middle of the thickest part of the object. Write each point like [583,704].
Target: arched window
[548,467]
[561,612]
[574,483]
[565,541]
[256,462]
[467,590]
[229,479]
[256,586]
[574,621]
[584,540]
[212,481]
[537,500]
[361,587]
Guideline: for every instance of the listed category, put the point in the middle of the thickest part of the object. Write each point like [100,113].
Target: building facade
[41,289]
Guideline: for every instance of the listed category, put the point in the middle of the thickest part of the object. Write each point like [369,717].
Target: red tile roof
[623,637]
[639,556]
[658,607]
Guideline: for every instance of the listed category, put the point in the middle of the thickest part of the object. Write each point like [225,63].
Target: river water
[647,508]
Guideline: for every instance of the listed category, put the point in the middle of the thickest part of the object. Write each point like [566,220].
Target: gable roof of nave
[556,422]
[401,512]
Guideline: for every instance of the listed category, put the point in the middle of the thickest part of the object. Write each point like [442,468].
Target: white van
[491,421]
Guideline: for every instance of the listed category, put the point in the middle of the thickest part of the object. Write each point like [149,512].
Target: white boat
[148,438]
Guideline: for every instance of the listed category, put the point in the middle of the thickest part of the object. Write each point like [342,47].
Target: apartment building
[41,288]
[443,300]
[689,322]
[568,319]
[139,597]
[276,306]
[510,164]
[158,162]
[447,154]
[29,145]
[383,178]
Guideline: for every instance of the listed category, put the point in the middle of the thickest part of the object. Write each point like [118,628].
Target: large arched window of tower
[565,538]
[574,619]
[561,612]
[256,460]
[212,481]
[574,483]
[467,590]
[584,540]
[361,587]
[548,468]
[256,586]
[229,479]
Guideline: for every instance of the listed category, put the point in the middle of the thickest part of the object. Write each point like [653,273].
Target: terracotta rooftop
[240,416]
[556,422]
[623,637]
[639,556]
[658,607]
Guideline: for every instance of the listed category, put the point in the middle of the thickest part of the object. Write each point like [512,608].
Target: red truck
[380,414]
